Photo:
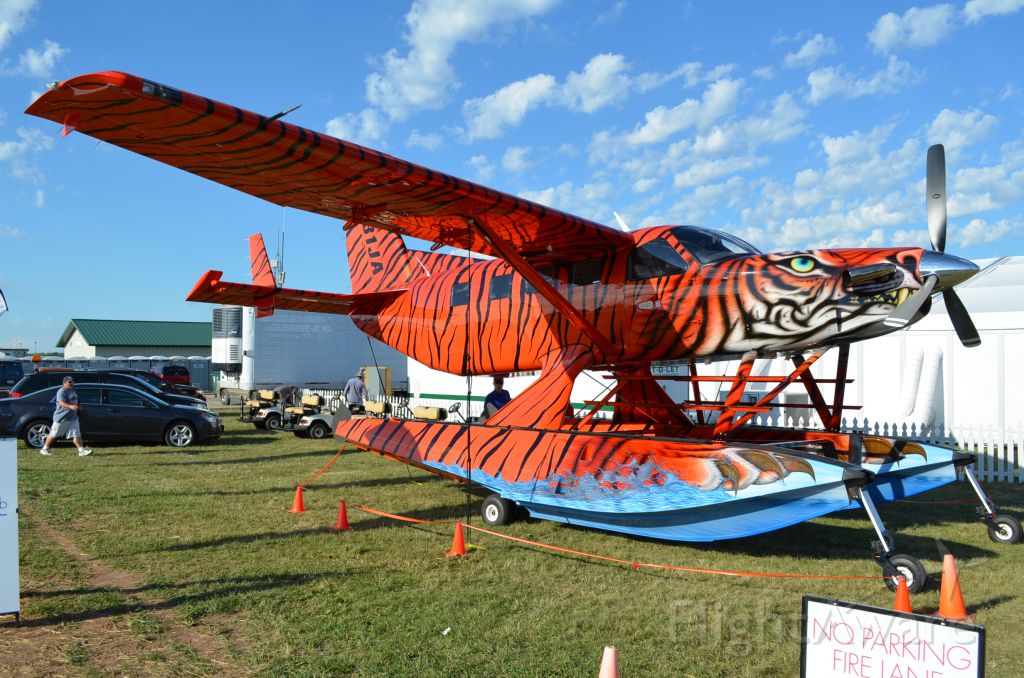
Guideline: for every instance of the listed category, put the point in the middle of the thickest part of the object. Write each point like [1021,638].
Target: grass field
[152,561]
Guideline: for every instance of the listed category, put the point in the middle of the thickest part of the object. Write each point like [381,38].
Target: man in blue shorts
[65,419]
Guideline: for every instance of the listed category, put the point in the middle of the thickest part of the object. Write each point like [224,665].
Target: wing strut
[545,289]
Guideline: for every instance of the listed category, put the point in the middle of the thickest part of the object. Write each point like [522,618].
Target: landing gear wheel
[1006,529]
[272,422]
[911,568]
[497,511]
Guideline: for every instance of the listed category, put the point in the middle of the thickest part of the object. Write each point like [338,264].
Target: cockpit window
[708,245]
[655,259]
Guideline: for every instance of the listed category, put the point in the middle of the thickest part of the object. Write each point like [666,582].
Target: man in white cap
[65,419]
[356,393]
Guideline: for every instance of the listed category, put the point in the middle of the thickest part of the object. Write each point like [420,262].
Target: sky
[793,125]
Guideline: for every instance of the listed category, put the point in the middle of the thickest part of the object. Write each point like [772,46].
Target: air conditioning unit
[226,352]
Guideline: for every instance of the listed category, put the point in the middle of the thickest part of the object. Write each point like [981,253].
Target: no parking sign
[847,639]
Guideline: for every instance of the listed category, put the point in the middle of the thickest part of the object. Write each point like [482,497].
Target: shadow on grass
[229,586]
[281,489]
[242,460]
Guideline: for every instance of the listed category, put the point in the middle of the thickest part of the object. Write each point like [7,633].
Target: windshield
[708,245]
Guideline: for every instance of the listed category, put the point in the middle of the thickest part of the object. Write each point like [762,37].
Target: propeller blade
[961,319]
[906,311]
[936,198]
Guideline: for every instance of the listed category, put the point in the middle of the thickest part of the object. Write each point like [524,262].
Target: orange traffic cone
[902,596]
[458,543]
[342,522]
[297,506]
[609,663]
[951,601]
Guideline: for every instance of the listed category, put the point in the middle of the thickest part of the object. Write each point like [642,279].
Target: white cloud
[835,81]
[482,166]
[612,13]
[17,153]
[957,130]
[515,160]
[980,189]
[13,17]
[488,117]
[431,141]
[976,10]
[709,170]
[719,100]
[587,200]
[764,73]
[810,52]
[979,232]
[40,64]
[40,198]
[9,231]
[423,79]
[604,81]
[918,27]
[367,127]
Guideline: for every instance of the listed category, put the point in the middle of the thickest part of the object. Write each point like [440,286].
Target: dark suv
[37,381]
[161,383]
[176,374]
[10,373]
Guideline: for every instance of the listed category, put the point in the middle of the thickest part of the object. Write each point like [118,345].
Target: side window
[119,379]
[587,272]
[122,399]
[501,287]
[89,396]
[546,272]
[655,259]
[460,294]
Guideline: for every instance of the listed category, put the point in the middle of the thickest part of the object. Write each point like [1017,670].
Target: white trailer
[308,350]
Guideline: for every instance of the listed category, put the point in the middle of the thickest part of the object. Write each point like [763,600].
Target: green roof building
[107,338]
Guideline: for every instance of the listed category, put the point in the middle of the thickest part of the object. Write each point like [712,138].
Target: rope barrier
[321,471]
[635,565]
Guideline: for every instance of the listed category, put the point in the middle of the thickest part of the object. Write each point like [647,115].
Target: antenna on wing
[622,222]
[283,113]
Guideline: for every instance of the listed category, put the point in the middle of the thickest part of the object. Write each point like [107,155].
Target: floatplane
[560,294]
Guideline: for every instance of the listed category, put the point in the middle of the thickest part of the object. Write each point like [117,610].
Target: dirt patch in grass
[126,632]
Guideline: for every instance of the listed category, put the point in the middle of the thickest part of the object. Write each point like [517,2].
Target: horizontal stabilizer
[212,290]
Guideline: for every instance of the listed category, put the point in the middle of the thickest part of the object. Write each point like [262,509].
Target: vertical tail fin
[379,260]
[262,273]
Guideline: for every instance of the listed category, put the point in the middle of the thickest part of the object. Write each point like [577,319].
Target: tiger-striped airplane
[562,294]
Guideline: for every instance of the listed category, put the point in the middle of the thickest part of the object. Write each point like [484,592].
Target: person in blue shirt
[497,398]
[65,419]
[356,393]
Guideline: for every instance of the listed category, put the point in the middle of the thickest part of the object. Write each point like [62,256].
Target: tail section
[262,274]
[379,260]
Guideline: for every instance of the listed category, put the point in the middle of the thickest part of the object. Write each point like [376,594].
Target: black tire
[318,430]
[272,422]
[1006,531]
[180,434]
[36,432]
[298,434]
[497,511]
[225,397]
[911,568]
[259,424]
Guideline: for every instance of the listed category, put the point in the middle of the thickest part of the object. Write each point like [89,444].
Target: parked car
[176,374]
[161,383]
[10,373]
[110,413]
[36,381]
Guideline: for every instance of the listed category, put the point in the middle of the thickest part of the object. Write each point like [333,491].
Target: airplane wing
[212,290]
[296,167]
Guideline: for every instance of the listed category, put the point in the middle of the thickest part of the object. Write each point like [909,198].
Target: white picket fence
[999,451]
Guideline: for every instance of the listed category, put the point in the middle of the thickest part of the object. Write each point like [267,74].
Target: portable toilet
[140,362]
[77,363]
[51,362]
[199,368]
[119,362]
[98,364]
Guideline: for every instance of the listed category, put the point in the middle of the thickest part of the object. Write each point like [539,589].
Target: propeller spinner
[938,269]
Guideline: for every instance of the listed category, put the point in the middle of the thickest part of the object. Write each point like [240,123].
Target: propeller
[937,266]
